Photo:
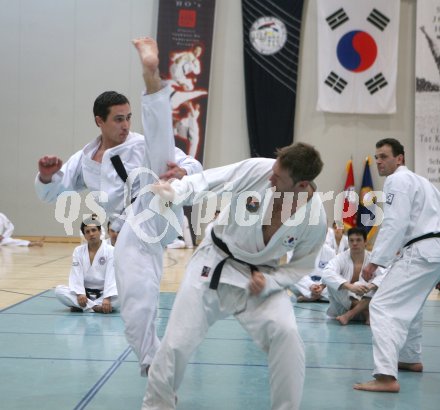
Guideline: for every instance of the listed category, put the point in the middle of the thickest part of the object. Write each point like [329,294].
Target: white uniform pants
[69,298]
[14,242]
[303,288]
[269,321]
[138,268]
[138,255]
[341,299]
[396,308]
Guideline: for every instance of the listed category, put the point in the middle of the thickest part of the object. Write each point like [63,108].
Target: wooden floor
[27,271]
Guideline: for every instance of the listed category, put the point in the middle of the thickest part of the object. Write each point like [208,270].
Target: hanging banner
[427,105]
[357,55]
[366,216]
[271,31]
[184,37]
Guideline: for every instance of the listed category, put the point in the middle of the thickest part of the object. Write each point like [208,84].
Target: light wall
[57,56]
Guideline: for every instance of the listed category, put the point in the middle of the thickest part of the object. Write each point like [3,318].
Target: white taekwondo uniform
[315,278]
[139,248]
[138,264]
[340,270]
[269,317]
[330,240]
[80,172]
[6,230]
[412,209]
[99,275]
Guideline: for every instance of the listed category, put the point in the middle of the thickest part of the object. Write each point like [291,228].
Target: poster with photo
[427,104]
[184,37]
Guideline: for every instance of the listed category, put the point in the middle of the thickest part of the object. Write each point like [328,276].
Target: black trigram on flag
[335,82]
[376,83]
[378,19]
[337,18]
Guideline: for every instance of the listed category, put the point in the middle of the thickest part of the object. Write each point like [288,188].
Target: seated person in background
[349,293]
[92,284]
[112,235]
[310,288]
[102,237]
[336,239]
[6,231]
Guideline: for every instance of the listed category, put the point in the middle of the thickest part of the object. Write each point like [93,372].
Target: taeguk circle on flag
[357,51]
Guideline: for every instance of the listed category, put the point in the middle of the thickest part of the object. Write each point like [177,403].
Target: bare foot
[37,243]
[343,319]
[75,309]
[33,243]
[148,53]
[411,367]
[385,384]
[97,309]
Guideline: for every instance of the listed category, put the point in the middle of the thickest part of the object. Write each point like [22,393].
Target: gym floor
[53,359]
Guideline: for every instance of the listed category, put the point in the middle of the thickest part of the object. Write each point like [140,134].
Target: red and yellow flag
[350,199]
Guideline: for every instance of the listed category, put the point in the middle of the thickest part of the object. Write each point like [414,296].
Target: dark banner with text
[184,37]
[271,31]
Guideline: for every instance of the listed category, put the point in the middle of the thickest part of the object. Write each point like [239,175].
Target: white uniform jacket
[80,172]
[340,270]
[411,209]
[330,240]
[98,275]
[6,226]
[324,257]
[240,224]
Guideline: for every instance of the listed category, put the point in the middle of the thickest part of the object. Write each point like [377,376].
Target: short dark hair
[357,231]
[101,107]
[88,222]
[395,145]
[301,160]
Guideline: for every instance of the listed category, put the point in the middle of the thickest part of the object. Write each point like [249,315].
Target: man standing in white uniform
[237,271]
[349,293]
[411,227]
[138,255]
[92,284]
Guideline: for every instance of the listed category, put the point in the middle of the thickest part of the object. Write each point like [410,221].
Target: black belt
[420,238]
[218,269]
[120,170]
[96,292]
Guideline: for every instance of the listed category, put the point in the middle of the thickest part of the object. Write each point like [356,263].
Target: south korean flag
[357,55]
